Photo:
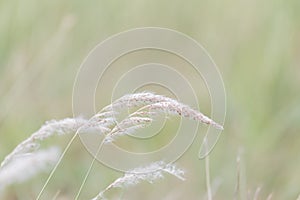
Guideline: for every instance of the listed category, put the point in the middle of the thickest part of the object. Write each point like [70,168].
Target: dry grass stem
[256,194]
[207,174]
[270,196]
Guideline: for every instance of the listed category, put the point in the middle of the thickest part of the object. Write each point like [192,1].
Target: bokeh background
[255,44]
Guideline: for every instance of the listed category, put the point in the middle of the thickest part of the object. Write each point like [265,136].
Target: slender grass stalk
[238,178]
[270,196]
[207,174]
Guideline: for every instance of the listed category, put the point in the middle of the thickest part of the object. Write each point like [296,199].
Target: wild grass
[28,155]
[148,106]
[255,43]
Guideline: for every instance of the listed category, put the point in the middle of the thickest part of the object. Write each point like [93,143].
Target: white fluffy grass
[27,166]
[157,103]
[149,173]
[148,106]
[105,121]
[128,125]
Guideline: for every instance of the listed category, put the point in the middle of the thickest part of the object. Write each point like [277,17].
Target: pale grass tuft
[149,173]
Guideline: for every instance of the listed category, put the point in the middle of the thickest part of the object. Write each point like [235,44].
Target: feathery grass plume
[50,128]
[150,105]
[136,100]
[27,166]
[103,119]
[128,125]
[149,173]
[159,103]
[177,108]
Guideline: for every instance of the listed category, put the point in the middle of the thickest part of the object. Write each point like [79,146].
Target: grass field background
[255,44]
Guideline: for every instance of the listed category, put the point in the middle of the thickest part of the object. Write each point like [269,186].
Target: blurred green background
[256,45]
